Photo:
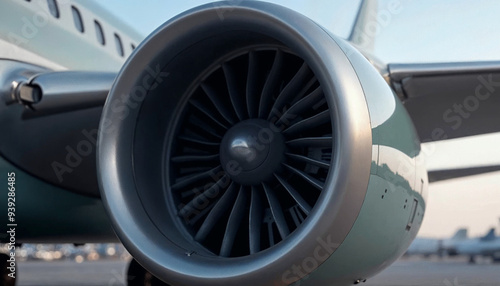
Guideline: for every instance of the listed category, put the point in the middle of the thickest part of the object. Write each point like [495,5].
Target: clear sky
[420,31]
[147,15]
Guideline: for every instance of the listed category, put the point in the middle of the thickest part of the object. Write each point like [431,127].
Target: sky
[147,15]
[416,31]
[440,31]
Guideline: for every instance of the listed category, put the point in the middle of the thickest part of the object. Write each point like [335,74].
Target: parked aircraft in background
[459,245]
[432,246]
[486,246]
[448,246]
[425,247]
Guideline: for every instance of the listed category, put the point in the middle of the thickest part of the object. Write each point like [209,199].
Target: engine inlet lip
[130,218]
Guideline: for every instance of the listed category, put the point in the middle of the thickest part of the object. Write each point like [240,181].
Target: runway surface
[450,272]
[69,273]
[435,272]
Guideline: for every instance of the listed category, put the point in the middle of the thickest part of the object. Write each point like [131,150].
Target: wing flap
[441,175]
[449,100]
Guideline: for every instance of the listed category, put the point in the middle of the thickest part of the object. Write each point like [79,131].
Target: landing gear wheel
[5,279]
[138,276]
[472,259]
[496,257]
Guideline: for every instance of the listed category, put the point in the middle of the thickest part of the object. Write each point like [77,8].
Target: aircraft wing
[450,100]
[447,174]
[444,100]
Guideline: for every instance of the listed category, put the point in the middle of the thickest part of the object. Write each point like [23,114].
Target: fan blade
[188,180]
[194,158]
[199,142]
[304,159]
[277,212]
[222,205]
[291,88]
[234,223]
[253,96]
[302,105]
[325,142]
[255,221]
[205,196]
[309,123]
[217,102]
[295,195]
[314,182]
[203,129]
[271,85]
[207,112]
[234,91]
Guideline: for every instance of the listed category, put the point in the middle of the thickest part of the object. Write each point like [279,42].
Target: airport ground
[438,272]
[407,271]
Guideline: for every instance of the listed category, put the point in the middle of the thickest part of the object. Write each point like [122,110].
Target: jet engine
[246,145]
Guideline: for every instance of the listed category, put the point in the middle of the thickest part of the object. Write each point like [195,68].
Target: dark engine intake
[245,145]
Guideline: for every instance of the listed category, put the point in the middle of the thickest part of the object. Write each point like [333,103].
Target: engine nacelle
[245,145]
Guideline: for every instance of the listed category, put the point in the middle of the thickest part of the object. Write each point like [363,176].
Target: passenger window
[99,33]
[53,8]
[119,46]
[77,18]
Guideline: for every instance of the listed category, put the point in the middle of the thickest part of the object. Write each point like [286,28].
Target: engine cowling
[245,145]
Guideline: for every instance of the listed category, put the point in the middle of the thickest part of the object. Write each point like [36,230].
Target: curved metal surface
[124,183]
[69,91]
[394,207]
[58,149]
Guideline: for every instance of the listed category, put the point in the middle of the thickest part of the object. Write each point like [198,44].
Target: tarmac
[405,272]
[438,272]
